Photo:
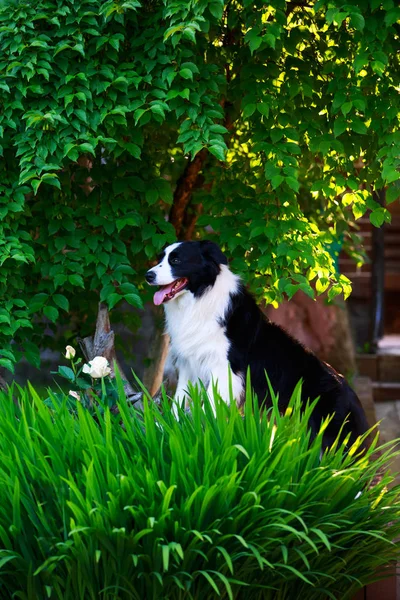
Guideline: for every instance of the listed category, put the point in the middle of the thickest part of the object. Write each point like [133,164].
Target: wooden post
[378,277]
[154,373]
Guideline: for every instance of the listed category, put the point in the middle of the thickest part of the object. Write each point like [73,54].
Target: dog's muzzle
[150,277]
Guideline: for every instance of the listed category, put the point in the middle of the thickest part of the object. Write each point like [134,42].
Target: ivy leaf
[392,16]
[271,170]
[128,288]
[276,181]
[334,291]
[216,9]
[322,285]
[218,129]
[134,300]
[248,110]
[276,135]
[392,193]
[377,217]
[133,149]
[358,209]
[255,42]
[307,289]
[61,301]
[292,183]
[186,73]
[86,148]
[291,289]
[339,126]
[7,354]
[346,108]
[270,40]
[151,196]
[217,151]
[158,110]
[112,300]
[190,34]
[349,198]
[390,174]
[375,4]
[38,301]
[359,103]
[360,61]
[165,191]
[51,180]
[76,280]
[357,21]
[7,364]
[35,183]
[51,313]
[263,108]
[359,127]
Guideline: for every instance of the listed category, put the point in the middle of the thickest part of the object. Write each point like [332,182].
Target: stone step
[367,365]
[385,391]
[379,367]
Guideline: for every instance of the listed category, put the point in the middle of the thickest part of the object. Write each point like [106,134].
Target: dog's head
[186,267]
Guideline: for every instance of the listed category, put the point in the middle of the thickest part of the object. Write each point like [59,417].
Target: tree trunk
[184,189]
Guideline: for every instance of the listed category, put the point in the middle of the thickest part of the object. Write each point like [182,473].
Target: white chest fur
[199,345]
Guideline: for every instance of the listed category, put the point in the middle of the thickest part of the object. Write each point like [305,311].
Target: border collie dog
[217,332]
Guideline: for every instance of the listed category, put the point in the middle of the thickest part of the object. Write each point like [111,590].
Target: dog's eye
[174,260]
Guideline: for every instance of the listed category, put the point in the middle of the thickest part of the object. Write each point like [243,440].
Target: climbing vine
[123,124]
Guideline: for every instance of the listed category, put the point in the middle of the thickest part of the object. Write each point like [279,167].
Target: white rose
[97,368]
[74,394]
[70,352]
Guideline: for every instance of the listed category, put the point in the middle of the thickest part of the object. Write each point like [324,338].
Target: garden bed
[96,505]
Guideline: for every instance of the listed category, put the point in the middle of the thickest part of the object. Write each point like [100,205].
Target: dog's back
[265,347]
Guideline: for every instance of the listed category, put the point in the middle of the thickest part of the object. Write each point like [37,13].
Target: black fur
[199,262]
[266,347]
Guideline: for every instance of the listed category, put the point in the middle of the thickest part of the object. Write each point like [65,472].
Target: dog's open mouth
[167,292]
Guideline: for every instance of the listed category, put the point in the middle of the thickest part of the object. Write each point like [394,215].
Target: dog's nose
[150,277]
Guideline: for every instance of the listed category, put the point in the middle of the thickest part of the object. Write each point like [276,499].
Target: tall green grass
[232,506]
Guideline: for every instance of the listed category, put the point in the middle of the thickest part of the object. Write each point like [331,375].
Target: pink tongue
[162,292]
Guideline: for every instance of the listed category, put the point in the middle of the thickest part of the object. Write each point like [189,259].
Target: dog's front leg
[181,393]
[229,385]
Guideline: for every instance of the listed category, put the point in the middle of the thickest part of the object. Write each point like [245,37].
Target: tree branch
[184,189]
[191,217]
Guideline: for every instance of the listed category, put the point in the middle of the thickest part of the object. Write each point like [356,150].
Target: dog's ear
[212,252]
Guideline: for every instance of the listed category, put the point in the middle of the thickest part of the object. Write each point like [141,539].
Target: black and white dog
[217,331]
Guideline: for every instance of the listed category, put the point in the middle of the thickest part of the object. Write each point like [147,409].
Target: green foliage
[121,506]
[103,103]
